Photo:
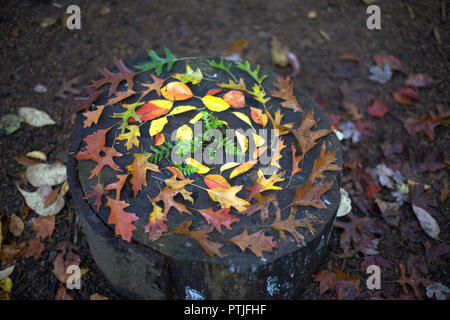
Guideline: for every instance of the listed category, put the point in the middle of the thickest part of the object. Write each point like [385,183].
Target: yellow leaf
[131,136]
[6,284]
[214,103]
[181,109]
[157,125]
[189,76]
[242,168]
[242,140]
[228,165]
[196,118]
[37,155]
[227,198]
[243,117]
[268,184]
[259,141]
[184,133]
[201,169]
[64,189]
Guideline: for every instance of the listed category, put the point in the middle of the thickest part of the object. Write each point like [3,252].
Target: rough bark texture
[182,271]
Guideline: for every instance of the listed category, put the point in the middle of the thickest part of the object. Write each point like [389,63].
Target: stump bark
[175,266]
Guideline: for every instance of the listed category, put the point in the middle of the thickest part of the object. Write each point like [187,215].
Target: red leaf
[409,92]
[393,62]
[402,99]
[121,219]
[213,92]
[378,109]
[94,143]
[44,226]
[419,80]
[106,160]
[86,102]
[98,192]
[118,185]
[235,99]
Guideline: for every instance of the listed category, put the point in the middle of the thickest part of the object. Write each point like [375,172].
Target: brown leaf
[276,122]
[120,95]
[310,193]
[15,225]
[62,294]
[44,226]
[115,79]
[263,205]
[34,249]
[257,242]
[156,223]
[155,86]
[200,235]
[286,92]
[106,160]
[167,196]
[86,102]
[419,80]
[415,280]
[94,144]
[325,162]
[291,223]
[296,161]
[92,116]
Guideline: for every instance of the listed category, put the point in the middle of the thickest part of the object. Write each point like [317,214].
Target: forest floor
[393,160]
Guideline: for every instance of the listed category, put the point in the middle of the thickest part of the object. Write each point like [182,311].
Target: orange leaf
[121,219]
[107,159]
[159,139]
[167,196]
[92,116]
[98,192]
[138,170]
[216,181]
[156,226]
[44,226]
[156,86]
[242,168]
[235,99]
[176,91]
[118,185]
[176,172]
[257,242]
[286,92]
[258,152]
[154,109]
[218,218]
[259,116]
[310,193]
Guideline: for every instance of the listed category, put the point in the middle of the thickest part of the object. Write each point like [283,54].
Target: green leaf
[158,62]
[190,76]
[129,113]
[221,65]
[247,68]
[259,94]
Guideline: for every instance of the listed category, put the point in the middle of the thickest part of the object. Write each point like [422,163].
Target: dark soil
[54,55]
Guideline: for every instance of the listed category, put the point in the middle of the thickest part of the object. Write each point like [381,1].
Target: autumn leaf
[181,109]
[118,185]
[199,168]
[395,64]
[176,91]
[242,140]
[277,153]
[122,220]
[92,116]
[415,280]
[184,133]
[138,170]
[235,99]
[115,79]
[227,197]
[216,181]
[94,143]
[218,218]
[286,92]
[259,116]
[325,162]
[158,62]
[259,141]
[262,205]
[159,139]
[167,196]
[213,92]
[131,136]
[214,103]
[290,225]
[295,161]
[228,165]
[243,117]
[157,126]
[306,138]
[156,226]
[419,80]
[176,172]
[259,94]
[378,109]
[86,102]
[44,226]
[281,129]
[200,235]
[128,114]
[98,192]
[256,242]
[120,95]
[310,193]
[269,184]
[154,109]
[65,258]
[179,185]
[234,85]
[106,160]
[192,76]
[34,249]
[242,168]
[258,152]
[154,86]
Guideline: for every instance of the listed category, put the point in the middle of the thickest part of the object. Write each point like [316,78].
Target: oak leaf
[280,129]
[115,79]
[86,102]
[156,226]
[98,192]
[262,205]
[310,193]
[218,218]
[192,76]
[256,242]
[291,224]
[286,92]
[296,161]
[120,95]
[167,196]
[200,234]
[131,136]
[106,160]
[122,220]
[156,85]
[118,185]
[44,226]
[277,153]
[92,116]
[269,184]
[325,162]
[227,197]
[138,170]
[234,85]
[94,143]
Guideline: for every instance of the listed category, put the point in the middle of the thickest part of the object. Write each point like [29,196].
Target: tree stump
[192,254]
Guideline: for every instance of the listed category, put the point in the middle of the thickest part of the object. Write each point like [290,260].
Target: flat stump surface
[172,263]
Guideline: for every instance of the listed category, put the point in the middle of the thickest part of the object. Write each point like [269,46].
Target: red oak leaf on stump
[138,170]
[218,218]
[256,242]
[121,219]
